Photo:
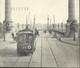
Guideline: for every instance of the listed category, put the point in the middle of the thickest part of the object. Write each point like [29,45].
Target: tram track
[13,65]
[15,61]
[52,52]
[31,57]
[30,60]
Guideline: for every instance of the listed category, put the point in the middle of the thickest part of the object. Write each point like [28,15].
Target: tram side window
[21,39]
[26,40]
[30,38]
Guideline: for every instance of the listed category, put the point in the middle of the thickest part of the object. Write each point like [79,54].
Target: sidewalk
[9,41]
[69,41]
[64,39]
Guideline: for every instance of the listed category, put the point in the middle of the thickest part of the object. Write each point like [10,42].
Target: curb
[67,42]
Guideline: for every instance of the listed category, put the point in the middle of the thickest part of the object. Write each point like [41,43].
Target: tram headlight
[29,47]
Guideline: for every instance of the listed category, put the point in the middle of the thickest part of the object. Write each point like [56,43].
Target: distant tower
[8,20]
[71,15]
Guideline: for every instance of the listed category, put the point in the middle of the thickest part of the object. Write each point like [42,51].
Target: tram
[26,42]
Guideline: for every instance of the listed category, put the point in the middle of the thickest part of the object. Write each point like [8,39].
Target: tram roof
[25,32]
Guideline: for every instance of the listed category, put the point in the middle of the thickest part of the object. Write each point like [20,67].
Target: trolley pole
[48,23]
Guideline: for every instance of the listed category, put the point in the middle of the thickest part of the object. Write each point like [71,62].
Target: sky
[40,9]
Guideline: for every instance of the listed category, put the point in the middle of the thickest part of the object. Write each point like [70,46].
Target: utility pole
[62,26]
[18,26]
[50,27]
[34,25]
[48,23]
[31,23]
[58,26]
[26,21]
[54,21]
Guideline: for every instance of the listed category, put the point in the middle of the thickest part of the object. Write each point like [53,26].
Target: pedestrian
[36,32]
[12,35]
[59,37]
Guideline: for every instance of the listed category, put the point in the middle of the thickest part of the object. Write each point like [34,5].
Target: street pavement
[70,41]
[50,52]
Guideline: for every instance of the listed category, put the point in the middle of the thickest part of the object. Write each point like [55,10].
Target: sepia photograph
[39,33]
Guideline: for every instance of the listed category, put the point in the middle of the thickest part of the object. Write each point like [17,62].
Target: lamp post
[58,26]
[79,36]
[48,23]
[62,26]
[54,21]
[18,26]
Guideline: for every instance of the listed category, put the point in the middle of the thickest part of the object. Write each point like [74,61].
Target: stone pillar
[71,16]
[8,19]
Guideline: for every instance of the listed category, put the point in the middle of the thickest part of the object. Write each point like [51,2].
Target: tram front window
[25,38]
